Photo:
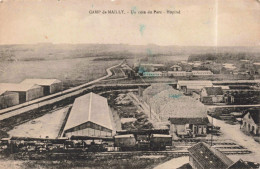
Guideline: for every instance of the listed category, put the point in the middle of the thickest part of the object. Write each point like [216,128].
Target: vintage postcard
[163,84]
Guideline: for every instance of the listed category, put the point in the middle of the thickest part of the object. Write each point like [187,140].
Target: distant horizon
[51,43]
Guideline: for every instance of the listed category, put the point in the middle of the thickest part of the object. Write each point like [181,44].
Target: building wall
[196,129]
[89,129]
[89,132]
[34,93]
[217,99]
[9,99]
[249,125]
[152,74]
[199,129]
[194,164]
[55,87]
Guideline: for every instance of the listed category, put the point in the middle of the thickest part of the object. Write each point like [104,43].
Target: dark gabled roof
[240,164]
[214,90]
[209,157]
[255,114]
[197,120]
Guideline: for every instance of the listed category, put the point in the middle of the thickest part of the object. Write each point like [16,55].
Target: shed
[187,116]
[8,99]
[251,121]
[49,85]
[214,93]
[203,156]
[189,126]
[27,92]
[89,116]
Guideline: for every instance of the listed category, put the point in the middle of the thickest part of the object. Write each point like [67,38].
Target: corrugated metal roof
[90,107]
[43,82]
[17,87]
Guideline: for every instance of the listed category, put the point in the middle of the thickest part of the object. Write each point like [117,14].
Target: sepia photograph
[129,84]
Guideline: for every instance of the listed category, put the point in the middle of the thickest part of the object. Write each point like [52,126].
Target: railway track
[122,155]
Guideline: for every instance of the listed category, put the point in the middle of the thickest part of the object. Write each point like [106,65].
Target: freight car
[160,141]
[125,142]
[153,142]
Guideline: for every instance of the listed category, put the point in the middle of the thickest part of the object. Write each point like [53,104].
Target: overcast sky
[201,22]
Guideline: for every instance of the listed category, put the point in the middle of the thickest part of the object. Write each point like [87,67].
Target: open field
[71,71]
[46,126]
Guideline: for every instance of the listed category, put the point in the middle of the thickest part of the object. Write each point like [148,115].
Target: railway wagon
[160,141]
[125,142]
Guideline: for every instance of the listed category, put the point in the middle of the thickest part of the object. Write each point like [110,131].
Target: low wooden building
[188,126]
[242,96]
[203,156]
[190,86]
[251,122]
[211,95]
[27,92]
[153,74]
[202,73]
[50,86]
[8,99]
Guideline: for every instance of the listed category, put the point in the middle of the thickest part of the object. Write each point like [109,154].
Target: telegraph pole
[212,131]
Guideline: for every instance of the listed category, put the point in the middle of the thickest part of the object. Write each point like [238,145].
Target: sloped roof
[155,89]
[43,82]
[184,120]
[195,82]
[255,114]
[184,107]
[17,87]
[89,108]
[214,90]
[209,157]
[164,97]
[240,164]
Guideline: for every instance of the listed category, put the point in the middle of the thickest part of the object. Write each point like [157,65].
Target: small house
[189,86]
[250,122]
[188,126]
[211,95]
[50,86]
